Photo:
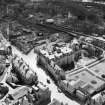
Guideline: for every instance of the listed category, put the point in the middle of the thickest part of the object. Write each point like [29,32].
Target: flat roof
[98,69]
[47,52]
[20,92]
[85,80]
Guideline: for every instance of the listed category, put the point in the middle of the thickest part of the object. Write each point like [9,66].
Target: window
[94,82]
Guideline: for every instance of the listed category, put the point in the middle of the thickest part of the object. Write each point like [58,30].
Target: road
[42,76]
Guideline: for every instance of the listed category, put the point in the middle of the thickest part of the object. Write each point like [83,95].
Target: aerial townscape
[52,52]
